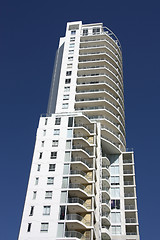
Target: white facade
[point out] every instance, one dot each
(82, 180)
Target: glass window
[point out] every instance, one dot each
(68, 144)
(46, 120)
(48, 195)
(40, 155)
(34, 194)
(115, 217)
(73, 32)
(29, 227)
(44, 132)
(56, 131)
(69, 65)
(50, 180)
(70, 58)
(65, 182)
(114, 170)
(52, 167)
(42, 144)
(116, 230)
(115, 204)
(38, 167)
(66, 169)
(46, 210)
(60, 231)
(96, 31)
(62, 213)
(68, 81)
(53, 155)
(115, 180)
(31, 211)
(66, 89)
(72, 39)
(57, 121)
(67, 157)
(65, 106)
(36, 181)
(69, 133)
(44, 227)
(63, 197)
(71, 45)
(70, 121)
(71, 52)
(55, 143)
(115, 192)
(68, 73)
(66, 97)
(85, 31)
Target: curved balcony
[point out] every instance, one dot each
(105, 181)
(84, 127)
(105, 219)
(73, 234)
(99, 69)
(105, 205)
(105, 162)
(100, 93)
(76, 204)
(105, 233)
(83, 149)
(85, 177)
(81, 190)
(79, 221)
(90, 101)
(88, 164)
(88, 140)
(99, 85)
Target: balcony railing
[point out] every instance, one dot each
(85, 126)
(73, 234)
(129, 194)
(131, 233)
(105, 189)
(129, 207)
(127, 161)
(82, 160)
(78, 218)
(128, 183)
(80, 186)
(83, 148)
(130, 220)
(77, 172)
(105, 201)
(127, 171)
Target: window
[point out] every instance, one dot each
(42, 144)
(52, 167)
(69, 65)
(48, 195)
(31, 211)
(46, 210)
(58, 121)
(55, 143)
(40, 155)
(66, 97)
(68, 73)
(66, 169)
(62, 213)
(65, 106)
(66, 89)
(56, 131)
(116, 230)
(46, 120)
(114, 170)
(115, 217)
(34, 195)
(44, 227)
(44, 132)
(38, 167)
(70, 121)
(36, 181)
(115, 204)
(115, 192)
(67, 157)
(73, 32)
(70, 58)
(71, 52)
(71, 45)
(65, 182)
(29, 227)
(50, 180)
(68, 144)
(63, 197)
(114, 180)
(53, 155)
(85, 31)
(72, 39)
(96, 31)
(68, 80)
(60, 231)
(69, 133)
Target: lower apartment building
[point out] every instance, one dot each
(82, 179)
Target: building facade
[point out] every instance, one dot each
(82, 179)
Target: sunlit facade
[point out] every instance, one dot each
(82, 180)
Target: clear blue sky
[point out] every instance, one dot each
(29, 34)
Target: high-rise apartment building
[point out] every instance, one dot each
(82, 180)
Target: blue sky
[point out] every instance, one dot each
(29, 32)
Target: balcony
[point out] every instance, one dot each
(80, 147)
(128, 183)
(88, 139)
(127, 172)
(129, 194)
(131, 220)
(85, 204)
(127, 161)
(85, 126)
(82, 221)
(80, 189)
(75, 234)
(87, 176)
(129, 207)
(82, 160)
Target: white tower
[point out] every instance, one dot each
(82, 180)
